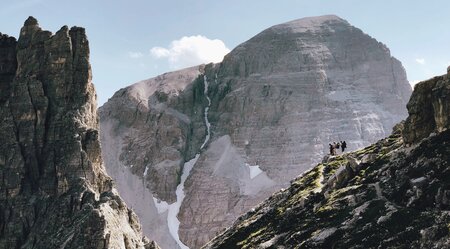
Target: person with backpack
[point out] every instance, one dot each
(343, 146)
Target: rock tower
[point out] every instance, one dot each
(54, 191)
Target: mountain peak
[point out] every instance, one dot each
(31, 21)
(309, 23)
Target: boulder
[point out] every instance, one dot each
(428, 109)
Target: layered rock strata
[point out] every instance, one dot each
(429, 109)
(277, 100)
(55, 192)
(387, 195)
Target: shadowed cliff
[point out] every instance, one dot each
(54, 189)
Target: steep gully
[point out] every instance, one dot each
(174, 208)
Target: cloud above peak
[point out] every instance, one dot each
(190, 51)
(421, 61)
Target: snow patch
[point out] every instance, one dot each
(208, 125)
(254, 170)
(161, 206)
(133, 190)
(174, 208)
(224, 160)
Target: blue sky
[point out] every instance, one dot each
(139, 39)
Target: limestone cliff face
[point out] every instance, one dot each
(54, 189)
(277, 100)
(281, 97)
(387, 195)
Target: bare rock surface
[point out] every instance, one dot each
(387, 195)
(148, 131)
(429, 109)
(55, 192)
(277, 100)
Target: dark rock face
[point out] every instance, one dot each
(54, 189)
(8, 64)
(429, 109)
(386, 195)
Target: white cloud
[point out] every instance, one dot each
(191, 50)
(421, 61)
(160, 52)
(135, 55)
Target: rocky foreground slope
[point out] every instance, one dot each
(277, 100)
(393, 194)
(54, 191)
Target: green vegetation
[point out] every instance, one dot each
(331, 167)
(246, 243)
(310, 182)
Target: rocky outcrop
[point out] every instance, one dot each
(387, 195)
(428, 108)
(55, 192)
(277, 100)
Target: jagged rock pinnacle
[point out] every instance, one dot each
(31, 21)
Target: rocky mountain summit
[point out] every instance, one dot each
(54, 191)
(392, 194)
(270, 109)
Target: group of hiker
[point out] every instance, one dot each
(335, 146)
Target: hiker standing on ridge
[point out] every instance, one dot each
(343, 146)
(335, 146)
